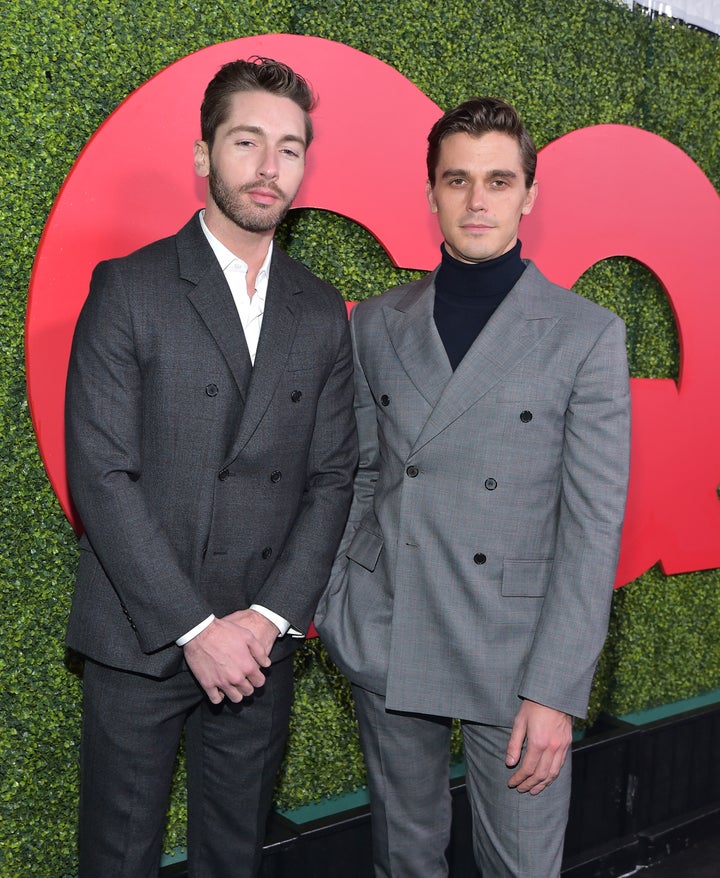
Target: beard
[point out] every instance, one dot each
(243, 212)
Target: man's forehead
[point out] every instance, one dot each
(253, 107)
(490, 145)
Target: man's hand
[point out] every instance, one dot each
(265, 632)
(226, 659)
(548, 733)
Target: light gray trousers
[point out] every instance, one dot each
(407, 757)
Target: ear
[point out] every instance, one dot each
(201, 158)
(430, 195)
(530, 198)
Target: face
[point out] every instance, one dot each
(480, 195)
(257, 161)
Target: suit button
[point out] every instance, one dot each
(266, 552)
(526, 417)
(211, 389)
(412, 471)
(223, 474)
(385, 399)
(275, 476)
(479, 558)
(296, 395)
(490, 484)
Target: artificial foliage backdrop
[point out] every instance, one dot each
(65, 66)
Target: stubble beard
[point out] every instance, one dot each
(249, 217)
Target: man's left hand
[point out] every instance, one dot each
(548, 733)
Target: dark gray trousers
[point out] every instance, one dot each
(132, 726)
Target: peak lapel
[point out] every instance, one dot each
(411, 328)
(519, 324)
(279, 325)
(212, 299)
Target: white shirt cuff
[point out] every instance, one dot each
(186, 638)
(280, 623)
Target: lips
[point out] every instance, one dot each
(263, 196)
(262, 192)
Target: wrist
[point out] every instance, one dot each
(193, 633)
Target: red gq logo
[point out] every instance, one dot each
(606, 190)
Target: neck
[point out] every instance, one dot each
(251, 247)
(494, 277)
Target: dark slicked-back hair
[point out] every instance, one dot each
(476, 117)
(255, 74)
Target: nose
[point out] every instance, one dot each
(268, 167)
(477, 200)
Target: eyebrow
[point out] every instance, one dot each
(256, 129)
(500, 172)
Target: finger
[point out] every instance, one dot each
(520, 776)
(545, 772)
(255, 678)
(214, 694)
(542, 785)
(515, 743)
(254, 647)
(247, 681)
(244, 685)
(556, 766)
(526, 769)
(235, 694)
(258, 652)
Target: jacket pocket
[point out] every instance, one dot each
(526, 579)
(365, 548)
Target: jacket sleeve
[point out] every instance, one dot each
(103, 417)
(369, 455)
(595, 467)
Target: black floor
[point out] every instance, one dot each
(700, 860)
(690, 850)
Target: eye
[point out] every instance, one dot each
(499, 183)
(291, 153)
(456, 181)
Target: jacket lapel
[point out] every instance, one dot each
(212, 299)
(522, 320)
(279, 324)
(411, 328)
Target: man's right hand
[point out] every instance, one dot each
(226, 660)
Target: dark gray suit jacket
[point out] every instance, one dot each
(480, 553)
(204, 484)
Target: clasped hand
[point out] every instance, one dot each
(227, 658)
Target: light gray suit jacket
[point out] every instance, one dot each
(204, 484)
(478, 562)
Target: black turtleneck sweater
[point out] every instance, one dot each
(467, 294)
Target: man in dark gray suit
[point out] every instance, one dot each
(475, 575)
(211, 448)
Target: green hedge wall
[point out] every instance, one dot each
(65, 66)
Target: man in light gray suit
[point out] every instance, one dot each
(211, 448)
(475, 575)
